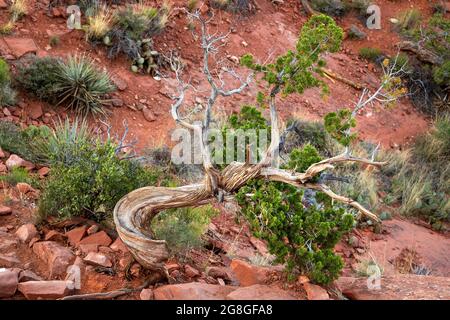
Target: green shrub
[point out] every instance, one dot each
(441, 74)
(7, 94)
(88, 177)
(337, 124)
(371, 54)
(38, 77)
(183, 228)
(140, 21)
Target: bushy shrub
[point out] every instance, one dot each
(441, 74)
(7, 94)
(371, 54)
(38, 76)
(93, 181)
(142, 21)
(299, 133)
(183, 228)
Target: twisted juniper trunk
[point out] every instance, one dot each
(134, 212)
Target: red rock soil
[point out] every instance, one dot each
(273, 29)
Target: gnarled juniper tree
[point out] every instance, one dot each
(284, 221)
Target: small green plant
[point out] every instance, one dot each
(7, 94)
(183, 228)
(371, 54)
(15, 176)
(54, 41)
(441, 74)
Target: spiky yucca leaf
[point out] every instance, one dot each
(81, 86)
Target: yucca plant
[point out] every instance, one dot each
(81, 86)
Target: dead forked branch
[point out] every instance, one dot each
(134, 212)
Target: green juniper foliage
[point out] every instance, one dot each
(295, 71)
(338, 125)
(249, 118)
(300, 235)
